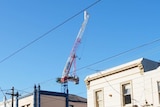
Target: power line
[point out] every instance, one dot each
(49, 31)
(119, 54)
(114, 89)
(40, 37)
(105, 59)
(5, 98)
(106, 81)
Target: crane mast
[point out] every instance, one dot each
(66, 71)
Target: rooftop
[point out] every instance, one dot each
(145, 64)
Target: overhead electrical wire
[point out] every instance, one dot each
(105, 59)
(49, 31)
(67, 20)
(117, 83)
(56, 27)
(99, 72)
(119, 54)
(3, 93)
(46, 33)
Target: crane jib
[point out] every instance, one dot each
(65, 75)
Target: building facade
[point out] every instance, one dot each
(41, 98)
(134, 84)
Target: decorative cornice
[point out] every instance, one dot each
(112, 72)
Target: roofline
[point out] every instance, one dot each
(42, 92)
(115, 70)
(111, 72)
(59, 94)
(141, 63)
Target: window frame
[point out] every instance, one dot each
(158, 87)
(123, 94)
(96, 99)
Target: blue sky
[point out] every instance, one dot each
(115, 26)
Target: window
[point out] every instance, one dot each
(158, 84)
(126, 92)
(99, 98)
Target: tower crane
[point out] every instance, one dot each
(71, 59)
